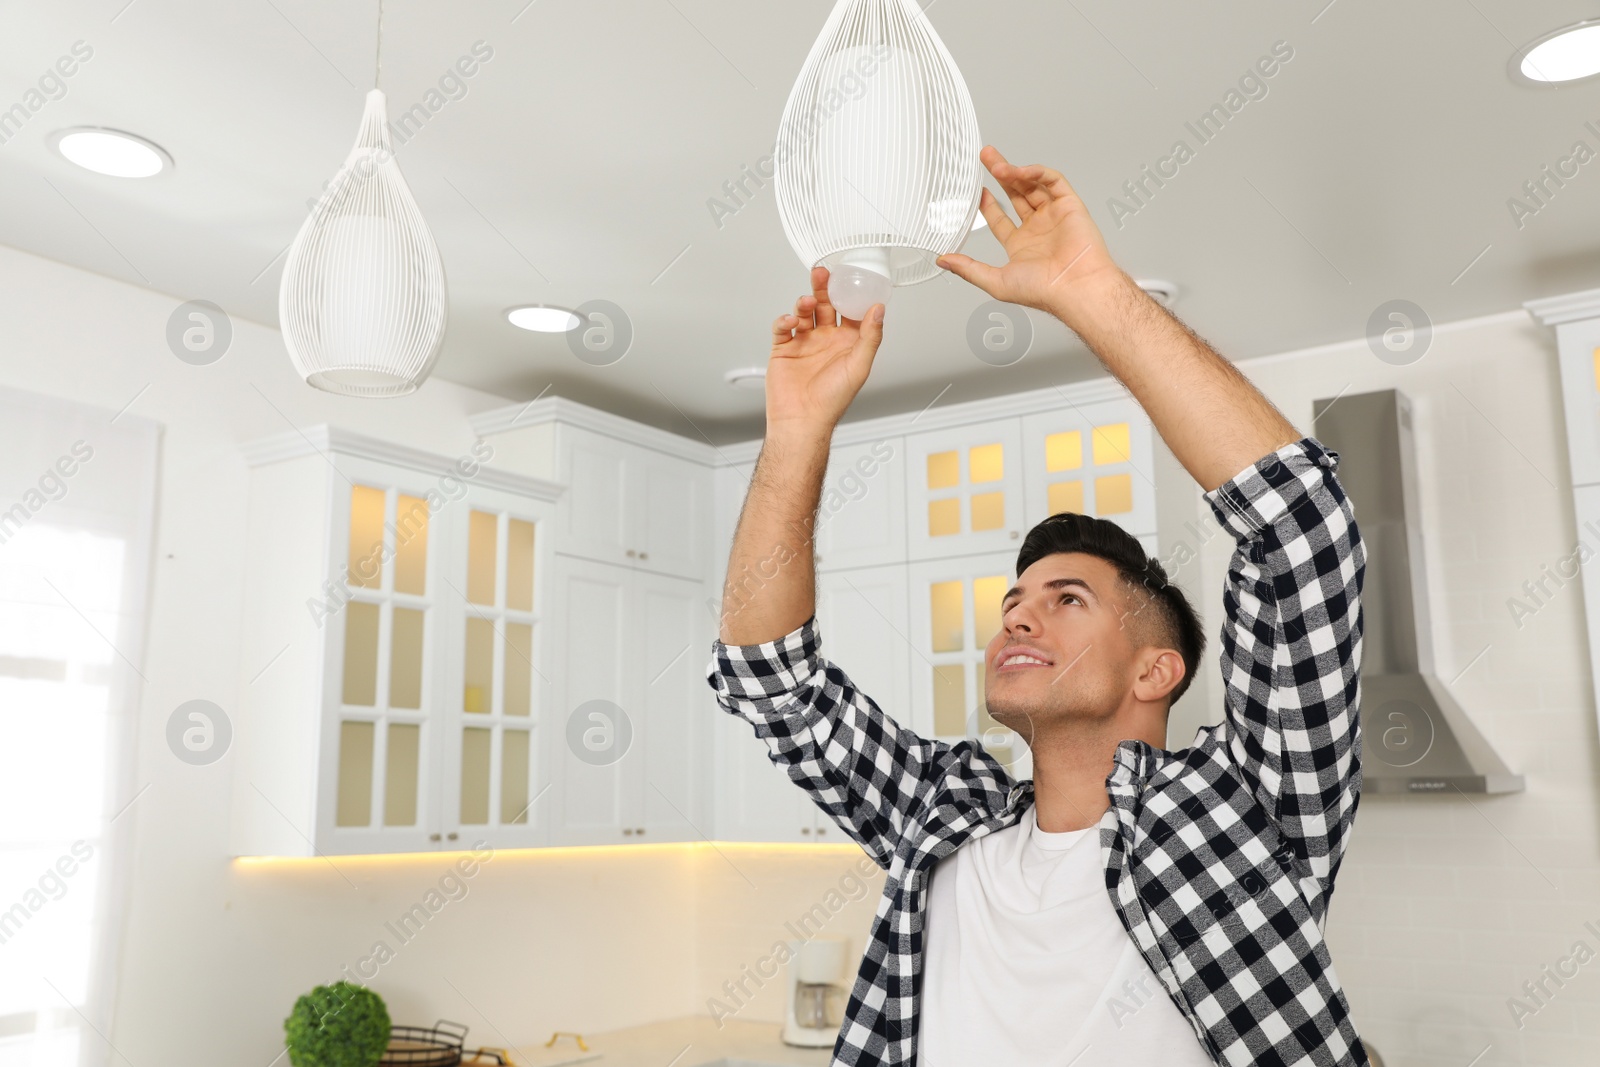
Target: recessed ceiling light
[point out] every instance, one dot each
(544, 319)
(1567, 55)
(1164, 293)
(747, 378)
(111, 152)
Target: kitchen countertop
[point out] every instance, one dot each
(693, 1041)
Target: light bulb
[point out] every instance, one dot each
(877, 156)
(860, 280)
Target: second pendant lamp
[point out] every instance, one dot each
(877, 157)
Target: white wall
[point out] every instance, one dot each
(1444, 907)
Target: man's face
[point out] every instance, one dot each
(1062, 655)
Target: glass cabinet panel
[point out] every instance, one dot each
(411, 546)
(478, 697)
(1112, 444)
(367, 507)
(514, 768)
(482, 558)
(476, 744)
(361, 654)
(400, 775)
(354, 806)
(405, 659)
(518, 660)
(519, 565)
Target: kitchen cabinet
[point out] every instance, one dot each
(394, 625)
(633, 506)
(964, 490)
(632, 744)
(1094, 459)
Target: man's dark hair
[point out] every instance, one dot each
(1163, 615)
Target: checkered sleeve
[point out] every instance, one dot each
(868, 772)
(1291, 647)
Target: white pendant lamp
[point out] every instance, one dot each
(363, 303)
(877, 158)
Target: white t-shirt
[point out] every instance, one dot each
(1027, 964)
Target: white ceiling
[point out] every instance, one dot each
(580, 163)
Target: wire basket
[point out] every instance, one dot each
(441, 1045)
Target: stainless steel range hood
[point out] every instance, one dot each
(1416, 737)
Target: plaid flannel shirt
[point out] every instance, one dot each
(1219, 859)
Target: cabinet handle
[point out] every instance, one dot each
(805, 829)
(821, 830)
(632, 554)
(627, 832)
(640, 831)
(451, 836)
(644, 555)
(1015, 535)
(433, 837)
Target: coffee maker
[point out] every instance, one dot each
(816, 995)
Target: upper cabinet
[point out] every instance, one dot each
(964, 489)
(394, 623)
(1094, 459)
(634, 506)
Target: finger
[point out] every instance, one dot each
(1000, 223)
(826, 315)
(968, 269)
(805, 310)
(1006, 175)
(1041, 185)
(783, 329)
(867, 343)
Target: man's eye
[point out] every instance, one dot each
(1065, 597)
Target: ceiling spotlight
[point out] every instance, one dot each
(542, 318)
(111, 152)
(1164, 293)
(1567, 55)
(751, 378)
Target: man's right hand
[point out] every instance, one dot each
(819, 362)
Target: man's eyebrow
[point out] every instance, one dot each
(1054, 583)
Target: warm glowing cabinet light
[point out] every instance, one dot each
(877, 156)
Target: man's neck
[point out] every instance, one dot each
(1069, 779)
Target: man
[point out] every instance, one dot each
(1129, 906)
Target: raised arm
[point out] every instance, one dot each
(1212, 418)
(1292, 634)
(869, 773)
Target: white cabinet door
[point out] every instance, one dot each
(591, 730)
(862, 518)
(955, 611)
(385, 690)
(1094, 459)
(495, 781)
(964, 490)
(600, 504)
(634, 506)
(673, 524)
(672, 635)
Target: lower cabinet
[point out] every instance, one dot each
(629, 738)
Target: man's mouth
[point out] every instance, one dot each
(1016, 659)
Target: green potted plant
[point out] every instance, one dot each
(341, 1025)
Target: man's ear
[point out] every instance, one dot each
(1160, 671)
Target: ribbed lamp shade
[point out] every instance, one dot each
(363, 303)
(877, 156)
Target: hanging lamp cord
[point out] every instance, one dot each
(377, 77)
